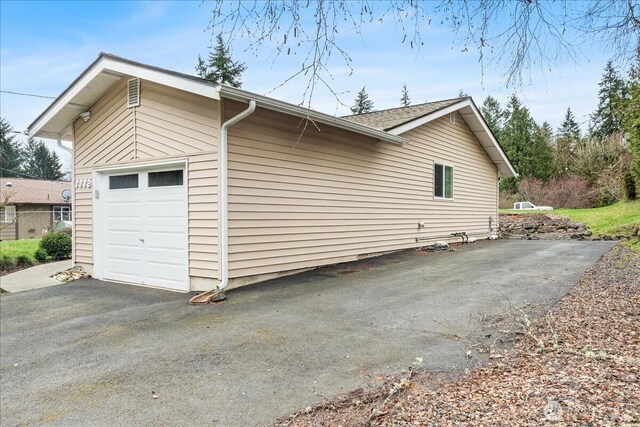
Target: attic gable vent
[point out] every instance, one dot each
(452, 118)
(133, 93)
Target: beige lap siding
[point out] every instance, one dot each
(331, 196)
(203, 216)
(168, 124)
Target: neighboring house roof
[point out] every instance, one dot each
(387, 119)
(34, 191)
(387, 125)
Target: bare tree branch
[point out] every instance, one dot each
(516, 36)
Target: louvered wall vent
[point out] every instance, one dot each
(452, 118)
(133, 93)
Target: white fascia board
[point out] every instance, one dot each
(428, 118)
(156, 76)
(66, 99)
(108, 66)
(450, 109)
(294, 110)
(493, 139)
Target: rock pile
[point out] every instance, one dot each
(538, 226)
(71, 274)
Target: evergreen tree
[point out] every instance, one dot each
(524, 143)
(629, 110)
(493, 114)
(40, 162)
(219, 66)
(10, 155)
(547, 133)
(566, 141)
(570, 129)
(362, 103)
(542, 151)
(606, 121)
(405, 101)
(54, 167)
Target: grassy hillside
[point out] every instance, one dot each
(615, 220)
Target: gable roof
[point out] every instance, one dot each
(397, 121)
(388, 119)
(55, 122)
(103, 73)
(34, 191)
(386, 125)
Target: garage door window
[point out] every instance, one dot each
(166, 178)
(121, 182)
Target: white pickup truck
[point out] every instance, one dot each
(528, 206)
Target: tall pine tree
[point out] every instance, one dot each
(362, 103)
(525, 145)
(494, 115)
(40, 162)
(566, 141)
(630, 113)
(405, 101)
(10, 155)
(606, 121)
(219, 66)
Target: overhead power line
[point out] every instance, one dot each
(22, 175)
(27, 94)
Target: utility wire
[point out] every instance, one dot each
(27, 94)
(22, 174)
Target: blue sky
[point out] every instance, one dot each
(45, 45)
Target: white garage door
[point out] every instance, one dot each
(144, 233)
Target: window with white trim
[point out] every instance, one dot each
(61, 213)
(443, 181)
(8, 214)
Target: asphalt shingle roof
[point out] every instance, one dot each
(393, 117)
(22, 191)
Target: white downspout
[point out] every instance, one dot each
(224, 194)
(73, 201)
(67, 149)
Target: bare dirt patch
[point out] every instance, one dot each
(579, 364)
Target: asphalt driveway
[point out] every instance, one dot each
(94, 353)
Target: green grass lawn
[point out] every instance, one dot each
(14, 248)
(615, 220)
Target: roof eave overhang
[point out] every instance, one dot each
(315, 116)
(476, 124)
(56, 121)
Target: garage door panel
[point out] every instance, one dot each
(166, 240)
(163, 272)
(124, 269)
(145, 235)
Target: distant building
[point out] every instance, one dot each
(34, 206)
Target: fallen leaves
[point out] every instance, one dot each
(578, 365)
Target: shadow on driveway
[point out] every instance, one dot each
(92, 353)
